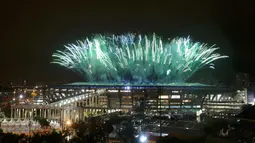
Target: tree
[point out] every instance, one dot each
(53, 137)
(115, 119)
(42, 121)
(246, 107)
(214, 126)
(80, 128)
(128, 132)
(247, 112)
(107, 126)
(94, 130)
(7, 111)
(139, 109)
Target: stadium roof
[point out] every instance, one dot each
(191, 86)
(174, 86)
(128, 84)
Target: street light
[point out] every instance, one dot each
(20, 96)
(68, 123)
(143, 138)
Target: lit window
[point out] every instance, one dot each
(163, 97)
(175, 96)
(175, 91)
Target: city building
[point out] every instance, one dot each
(28, 94)
(6, 95)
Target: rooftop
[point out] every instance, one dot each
(171, 86)
(130, 84)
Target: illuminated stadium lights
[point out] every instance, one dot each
(136, 59)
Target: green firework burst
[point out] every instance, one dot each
(136, 58)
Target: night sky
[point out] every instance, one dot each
(31, 31)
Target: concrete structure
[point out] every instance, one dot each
(215, 101)
(76, 101)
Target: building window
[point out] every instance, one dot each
(175, 97)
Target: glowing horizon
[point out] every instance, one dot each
(136, 58)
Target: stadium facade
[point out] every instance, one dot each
(72, 102)
(215, 101)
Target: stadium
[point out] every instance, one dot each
(134, 73)
(218, 102)
(130, 71)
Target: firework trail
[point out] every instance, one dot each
(136, 58)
